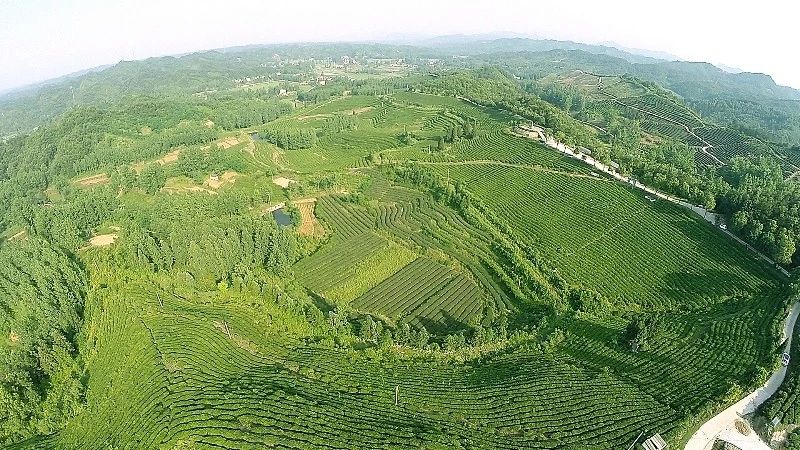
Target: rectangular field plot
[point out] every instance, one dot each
(343, 270)
(426, 293)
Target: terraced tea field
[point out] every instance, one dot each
(565, 270)
(676, 261)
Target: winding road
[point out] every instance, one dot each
(705, 214)
(722, 425)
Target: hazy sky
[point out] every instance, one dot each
(42, 39)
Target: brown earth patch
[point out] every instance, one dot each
(13, 337)
(312, 116)
(309, 225)
(266, 209)
(358, 111)
(209, 124)
(178, 189)
(19, 235)
(221, 180)
(228, 142)
(100, 178)
(103, 240)
(170, 157)
(283, 181)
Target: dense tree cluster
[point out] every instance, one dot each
(763, 206)
(221, 246)
(42, 292)
(232, 113)
(290, 138)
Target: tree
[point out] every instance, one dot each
(785, 247)
(440, 144)
(152, 178)
(368, 330)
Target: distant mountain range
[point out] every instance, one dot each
(709, 87)
(638, 51)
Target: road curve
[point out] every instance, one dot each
(723, 423)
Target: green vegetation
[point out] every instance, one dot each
(465, 287)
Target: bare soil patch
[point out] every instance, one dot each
(309, 225)
(13, 337)
(266, 209)
(100, 178)
(228, 142)
(283, 181)
(176, 185)
(358, 111)
(103, 240)
(221, 180)
(170, 157)
(209, 124)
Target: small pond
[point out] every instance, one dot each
(281, 217)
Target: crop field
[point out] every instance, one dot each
(663, 108)
(519, 272)
(667, 267)
(343, 271)
(424, 225)
(433, 295)
(207, 361)
(240, 383)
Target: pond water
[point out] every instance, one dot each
(281, 217)
(254, 136)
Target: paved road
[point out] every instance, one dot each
(723, 423)
(707, 215)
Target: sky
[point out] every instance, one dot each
(43, 39)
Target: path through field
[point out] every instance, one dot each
(723, 423)
(489, 162)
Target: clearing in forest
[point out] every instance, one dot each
(93, 180)
(168, 158)
(103, 240)
(283, 181)
(228, 142)
(184, 184)
(217, 181)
